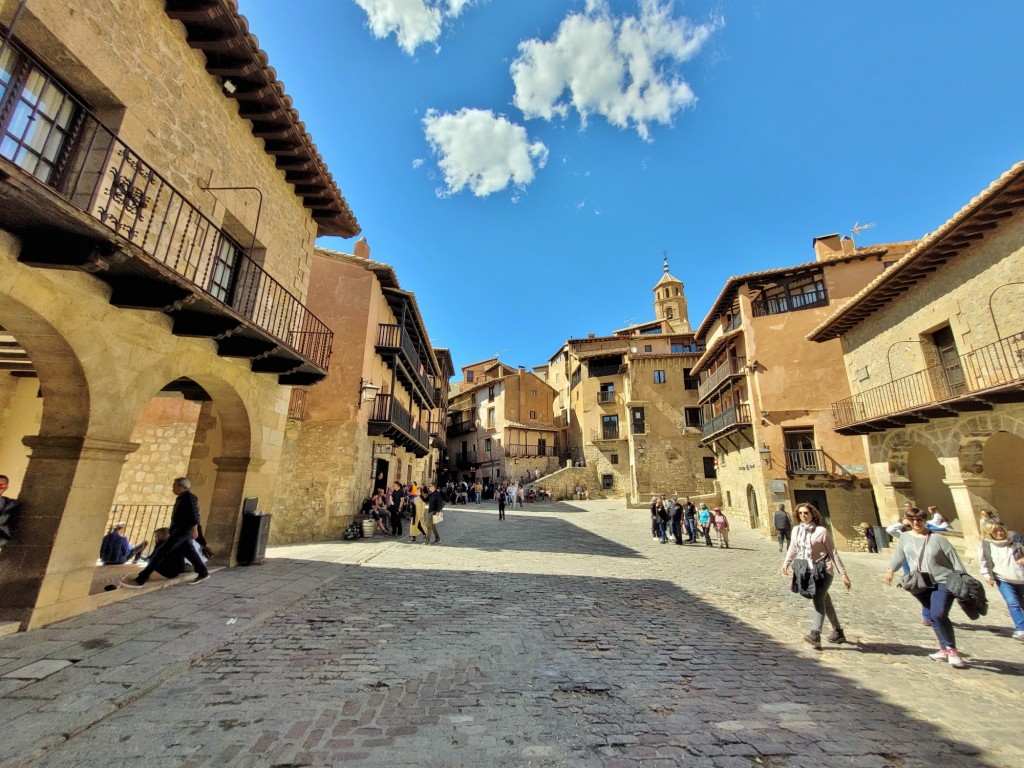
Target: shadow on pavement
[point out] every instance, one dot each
(547, 534)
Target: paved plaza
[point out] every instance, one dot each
(564, 636)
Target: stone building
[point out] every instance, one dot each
(766, 392)
(934, 354)
(631, 404)
(159, 203)
(501, 425)
(377, 417)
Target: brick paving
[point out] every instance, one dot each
(562, 637)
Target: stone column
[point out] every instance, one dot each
(48, 567)
(971, 492)
(223, 518)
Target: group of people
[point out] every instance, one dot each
(390, 508)
(932, 572)
(674, 516)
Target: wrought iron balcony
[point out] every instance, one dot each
(988, 375)
(464, 427)
(393, 341)
(729, 420)
(806, 461)
(730, 368)
(392, 420)
(777, 305)
(79, 197)
(605, 433)
(606, 397)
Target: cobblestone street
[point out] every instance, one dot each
(564, 636)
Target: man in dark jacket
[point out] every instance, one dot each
(8, 511)
(184, 527)
(435, 503)
(690, 517)
(783, 526)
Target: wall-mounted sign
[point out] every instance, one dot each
(851, 468)
(382, 449)
(777, 486)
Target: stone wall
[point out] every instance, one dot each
(165, 432)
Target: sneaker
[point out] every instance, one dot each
(1019, 635)
(130, 584)
(200, 578)
(940, 655)
(813, 639)
(953, 657)
(837, 637)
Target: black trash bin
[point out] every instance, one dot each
(881, 537)
(252, 543)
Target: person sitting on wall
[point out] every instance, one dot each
(937, 522)
(115, 549)
(173, 567)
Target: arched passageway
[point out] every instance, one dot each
(1003, 461)
(927, 476)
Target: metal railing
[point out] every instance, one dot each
(96, 172)
(394, 336)
(520, 450)
(606, 397)
(805, 461)
(297, 404)
(733, 366)
(605, 433)
(387, 409)
(737, 414)
(461, 428)
(994, 365)
(734, 322)
(776, 305)
(140, 521)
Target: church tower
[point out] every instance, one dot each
(670, 304)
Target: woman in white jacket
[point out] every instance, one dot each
(1002, 563)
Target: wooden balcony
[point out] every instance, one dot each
(90, 202)
(729, 420)
(732, 367)
(391, 419)
(989, 375)
(394, 344)
(606, 398)
(518, 450)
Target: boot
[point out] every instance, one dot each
(813, 639)
(837, 636)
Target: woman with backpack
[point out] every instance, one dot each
(1001, 558)
(816, 560)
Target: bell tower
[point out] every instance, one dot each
(670, 303)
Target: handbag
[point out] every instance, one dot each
(915, 582)
(438, 517)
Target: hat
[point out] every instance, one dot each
(718, 509)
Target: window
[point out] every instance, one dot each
(575, 378)
(606, 393)
(610, 427)
(490, 393)
(490, 417)
(677, 349)
(647, 347)
(709, 468)
(637, 423)
(533, 392)
(222, 272)
(689, 382)
(607, 482)
(668, 313)
(533, 414)
(469, 375)
(693, 417)
(614, 458)
(659, 377)
(487, 444)
(36, 117)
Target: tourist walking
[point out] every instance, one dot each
(721, 524)
(1001, 558)
(676, 516)
(690, 520)
(421, 523)
(931, 560)
(184, 528)
(397, 502)
(783, 526)
(704, 518)
(501, 506)
(435, 506)
(815, 560)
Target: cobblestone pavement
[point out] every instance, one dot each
(564, 636)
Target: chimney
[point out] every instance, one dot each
(362, 249)
(829, 246)
(591, 335)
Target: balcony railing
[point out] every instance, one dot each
(519, 450)
(776, 305)
(394, 337)
(100, 175)
(733, 366)
(297, 404)
(805, 461)
(737, 415)
(605, 433)
(461, 428)
(734, 322)
(606, 397)
(935, 391)
(391, 419)
(140, 520)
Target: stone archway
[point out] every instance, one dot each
(1003, 458)
(928, 483)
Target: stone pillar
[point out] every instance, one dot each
(223, 517)
(47, 568)
(971, 493)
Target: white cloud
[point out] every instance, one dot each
(413, 22)
(482, 151)
(417, 162)
(625, 69)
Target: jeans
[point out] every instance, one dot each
(691, 529)
(478, 494)
(1013, 594)
(677, 531)
(661, 532)
(784, 536)
(938, 601)
(822, 603)
(177, 546)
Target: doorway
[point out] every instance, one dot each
(380, 476)
(818, 499)
(755, 520)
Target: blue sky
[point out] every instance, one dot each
(523, 164)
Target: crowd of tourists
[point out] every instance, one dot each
(677, 517)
